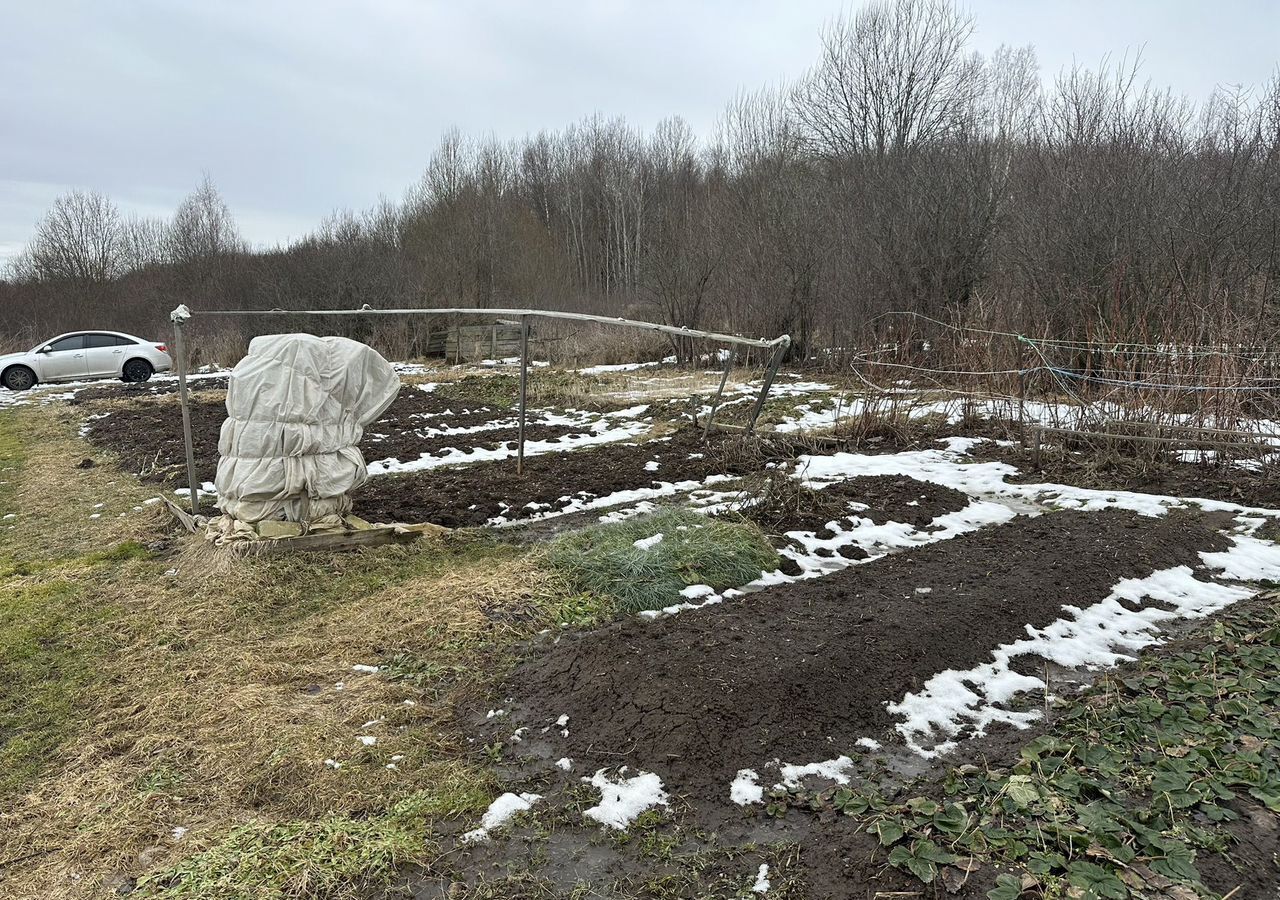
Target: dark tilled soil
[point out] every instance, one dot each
(838, 859)
(148, 436)
(145, 389)
(800, 672)
(472, 495)
(833, 858)
(889, 498)
(409, 445)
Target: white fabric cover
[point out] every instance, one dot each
(297, 407)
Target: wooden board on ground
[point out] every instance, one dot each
(373, 536)
(283, 536)
(184, 518)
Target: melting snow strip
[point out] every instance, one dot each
(817, 557)
(617, 498)
(833, 769)
(956, 410)
(453, 457)
(624, 367)
(950, 467)
(570, 418)
(1104, 634)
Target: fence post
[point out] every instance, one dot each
(715, 401)
(179, 348)
(774, 362)
(524, 389)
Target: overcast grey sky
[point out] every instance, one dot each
(299, 107)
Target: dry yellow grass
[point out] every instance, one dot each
(53, 499)
(221, 686)
(641, 384)
(207, 689)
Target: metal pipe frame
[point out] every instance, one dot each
(778, 345)
(783, 341)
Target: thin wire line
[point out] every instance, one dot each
(949, 371)
(1097, 346)
(1263, 382)
(1151, 384)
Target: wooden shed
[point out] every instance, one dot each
(471, 343)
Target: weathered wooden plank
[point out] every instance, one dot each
(374, 536)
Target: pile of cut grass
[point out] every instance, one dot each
(606, 560)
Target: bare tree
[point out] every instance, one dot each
(203, 228)
(895, 77)
(903, 172)
(80, 239)
(143, 242)
(682, 253)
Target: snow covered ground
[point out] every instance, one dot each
(67, 390)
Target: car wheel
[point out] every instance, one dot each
(137, 370)
(19, 378)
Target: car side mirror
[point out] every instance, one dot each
(46, 349)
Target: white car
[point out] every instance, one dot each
(85, 354)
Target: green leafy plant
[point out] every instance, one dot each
(1133, 782)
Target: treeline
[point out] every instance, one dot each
(904, 171)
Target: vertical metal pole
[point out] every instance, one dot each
(179, 347)
(1022, 404)
(524, 389)
(715, 401)
(770, 373)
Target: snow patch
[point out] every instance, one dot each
(746, 788)
(650, 542)
(833, 769)
(1104, 634)
(623, 799)
(617, 498)
(499, 813)
(453, 456)
(762, 880)
(950, 467)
